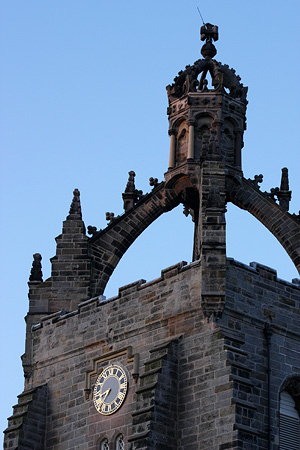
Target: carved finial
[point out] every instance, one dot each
(36, 270)
(284, 194)
(75, 208)
(209, 33)
(130, 187)
(131, 194)
(153, 182)
(284, 185)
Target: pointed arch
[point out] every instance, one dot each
(280, 223)
(109, 245)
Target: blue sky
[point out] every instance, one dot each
(83, 102)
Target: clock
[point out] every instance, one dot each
(110, 389)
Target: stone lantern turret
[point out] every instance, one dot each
(206, 126)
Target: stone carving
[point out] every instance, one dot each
(188, 211)
(110, 217)
(92, 230)
(209, 33)
(130, 187)
(153, 182)
(213, 144)
(222, 78)
(273, 193)
(36, 270)
(75, 208)
(212, 307)
(257, 179)
(205, 88)
(283, 193)
(131, 194)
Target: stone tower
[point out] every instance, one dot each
(204, 357)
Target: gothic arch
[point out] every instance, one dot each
(109, 245)
(180, 121)
(244, 194)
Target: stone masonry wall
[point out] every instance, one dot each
(255, 297)
(221, 377)
(67, 348)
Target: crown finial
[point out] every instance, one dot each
(209, 33)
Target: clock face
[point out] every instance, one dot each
(110, 389)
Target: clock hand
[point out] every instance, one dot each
(104, 395)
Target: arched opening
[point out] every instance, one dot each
(202, 142)
(182, 144)
(249, 240)
(208, 84)
(167, 241)
(202, 135)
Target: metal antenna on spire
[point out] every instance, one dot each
(200, 15)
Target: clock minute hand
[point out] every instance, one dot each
(104, 395)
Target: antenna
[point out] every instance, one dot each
(201, 16)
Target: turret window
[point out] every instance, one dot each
(289, 433)
(182, 145)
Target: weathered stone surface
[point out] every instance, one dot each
(195, 376)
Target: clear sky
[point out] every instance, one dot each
(83, 102)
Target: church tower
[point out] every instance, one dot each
(204, 357)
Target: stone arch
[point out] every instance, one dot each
(179, 121)
(203, 115)
(107, 247)
(244, 194)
